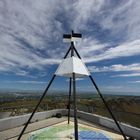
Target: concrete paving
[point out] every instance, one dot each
(12, 134)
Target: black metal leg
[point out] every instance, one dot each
(69, 102)
(75, 108)
(67, 52)
(106, 105)
(77, 52)
(36, 108)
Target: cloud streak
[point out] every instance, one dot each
(133, 69)
(125, 50)
(127, 75)
(26, 82)
(116, 68)
(135, 82)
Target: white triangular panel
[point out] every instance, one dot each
(72, 65)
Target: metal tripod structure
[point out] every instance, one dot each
(72, 84)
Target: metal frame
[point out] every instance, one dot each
(69, 101)
(73, 82)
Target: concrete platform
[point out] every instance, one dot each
(12, 134)
(11, 127)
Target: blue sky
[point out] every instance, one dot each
(31, 45)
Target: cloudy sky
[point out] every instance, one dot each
(31, 45)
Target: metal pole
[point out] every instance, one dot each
(74, 96)
(43, 95)
(69, 103)
(75, 108)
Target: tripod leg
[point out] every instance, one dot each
(40, 100)
(106, 105)
(43, 95)
(77, 52)
(67, 52)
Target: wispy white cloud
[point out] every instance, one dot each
(22, 73)
(127, 75)
(85, 12)
(27, 28)
(123, 17)
(135, 82)
(133, 69)
(115, 16)
(124, 50)
(77, 79)
(118, 67)
(89, 47)
(120, 19)
(26, 82)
